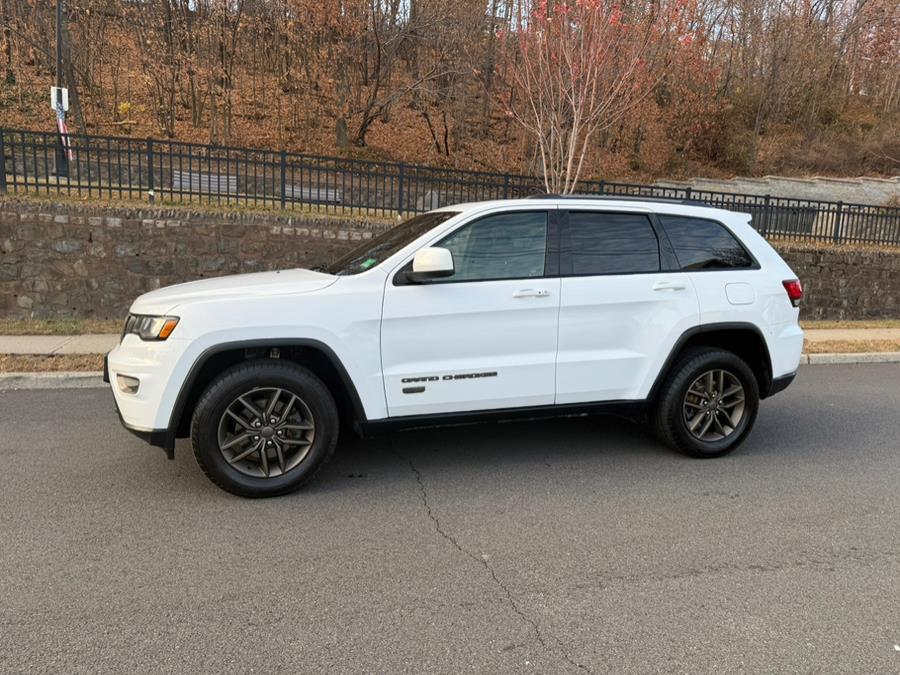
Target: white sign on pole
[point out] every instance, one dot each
(65, 97)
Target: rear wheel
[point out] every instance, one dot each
(264, 428)
(707, 404)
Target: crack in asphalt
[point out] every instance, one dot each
(542, 639)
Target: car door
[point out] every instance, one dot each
(485, 337)
(728, 280)
(620, 313)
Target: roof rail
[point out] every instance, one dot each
(628, 198)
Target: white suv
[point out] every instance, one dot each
(544, 306)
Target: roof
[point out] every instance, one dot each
(683, 206)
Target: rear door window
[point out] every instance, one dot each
(596, 243)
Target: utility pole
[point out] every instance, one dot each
(62, 156)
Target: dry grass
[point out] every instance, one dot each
(17, 363)
(876, 323)
(229, 204)
(60, 326)
(850, 346)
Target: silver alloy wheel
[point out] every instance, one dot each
(714, 405)
(266, 432)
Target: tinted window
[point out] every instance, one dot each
(505, 246)
(386, 244)
(611, 243)
(704, 244)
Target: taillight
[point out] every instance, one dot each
(794, 290)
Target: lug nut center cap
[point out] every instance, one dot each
(267, 432)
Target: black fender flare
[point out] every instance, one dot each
(187, 385)
(710, 328)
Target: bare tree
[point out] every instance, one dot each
(579, 67)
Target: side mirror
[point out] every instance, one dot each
(430, 263)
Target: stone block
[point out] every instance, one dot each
(67, 246)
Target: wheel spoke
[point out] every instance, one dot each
(264, 459)
(707, 425)
(303, 426)
(718, 424)
(273, 403)
(695, 421)
(280, 454)
(237, 439)
(710, 382)
(733, 402)
(287, 409)
(731, 391)
(237, 418)
(695, 406)
(721, 381)
(299, 441)
(245, 453)
(249, 406)
(729, 419)
(697, 392)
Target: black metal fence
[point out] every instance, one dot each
(173, 172)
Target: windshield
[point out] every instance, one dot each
(386, 244)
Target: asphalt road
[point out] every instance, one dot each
(547, 547)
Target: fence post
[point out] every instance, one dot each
(151, 195)
(283, 188)
(602, 187)
(506, 186)
(400, 172)
(2, 164)
(687, 193)
(838, 216)
(764, 227)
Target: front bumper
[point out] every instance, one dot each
(159, 438)
(161, 367)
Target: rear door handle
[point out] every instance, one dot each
(531, 293)
(669, 286)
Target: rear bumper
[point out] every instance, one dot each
(779, 384)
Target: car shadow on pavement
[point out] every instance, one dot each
(517, 449)
(523, 449)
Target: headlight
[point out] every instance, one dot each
(150, 327)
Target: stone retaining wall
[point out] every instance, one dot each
(64, 260)
(69, 260)
(846, 282)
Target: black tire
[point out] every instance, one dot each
(668, 415)
(245, 378)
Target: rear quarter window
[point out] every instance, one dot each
(702, 244)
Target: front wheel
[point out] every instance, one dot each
(708, 403)
(264, 428)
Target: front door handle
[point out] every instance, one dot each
(669, 286)
(531, 293)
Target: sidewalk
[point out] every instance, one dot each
(851, 334)
(54, 345)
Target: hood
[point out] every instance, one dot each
(281, 282)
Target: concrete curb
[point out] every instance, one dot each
(61, 380)
(89, 380)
